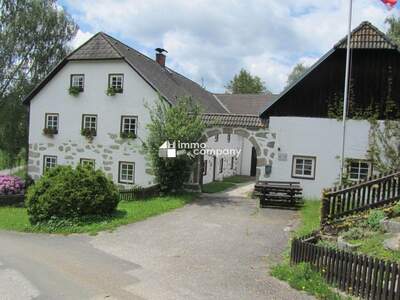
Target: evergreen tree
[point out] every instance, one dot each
(245, 83)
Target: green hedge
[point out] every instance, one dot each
(64, 192)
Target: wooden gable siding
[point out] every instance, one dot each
(370, 75)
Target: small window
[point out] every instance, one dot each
(49, 162)
(216, 138)
(228, 138)
(126, 172)
(90, 122)
(221, 165)
(116, 81)
(78, 80)
(205, 168)
(303, 167)
(88, 162)
(359, 169)
(232, 162)
(51, 122)
(129, 124)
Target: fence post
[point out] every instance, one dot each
(324, 208)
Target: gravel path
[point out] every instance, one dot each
(217, 247)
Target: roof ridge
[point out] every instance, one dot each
(231, 114)
(361, 26)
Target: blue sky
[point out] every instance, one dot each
(209, 41)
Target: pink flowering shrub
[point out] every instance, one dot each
(11, 185)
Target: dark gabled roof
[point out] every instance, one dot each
(367, 36)
(233, 120)
(245, 104)
(168, 83)
(364, 36)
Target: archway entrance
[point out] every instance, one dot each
(249, 127)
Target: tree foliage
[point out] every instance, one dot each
(181, 122)
(33, 37)
(296, 73)
(394, 29)
(245, 83)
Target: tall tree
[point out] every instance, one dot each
(181, 122)
(394, 29)
(245, 83)
(296, 73)
(34, 35)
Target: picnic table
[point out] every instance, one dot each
(279, 193)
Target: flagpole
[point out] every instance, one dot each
(346, 92)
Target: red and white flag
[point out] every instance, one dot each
(390, 3)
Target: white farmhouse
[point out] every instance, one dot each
(92, 109)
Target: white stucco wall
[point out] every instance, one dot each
(245, 159)
(107, 148)
(241, 164)
(317, 137)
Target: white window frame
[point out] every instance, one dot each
(49, 161)
(116, 81)
(129, 124)
(123, 177)
(88, 161)
(52, 121)
(78, 80)
(87, 122)
(358, 162)
(303, 162)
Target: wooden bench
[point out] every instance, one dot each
(279, 193)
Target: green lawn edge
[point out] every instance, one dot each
(301, 277)
(16, 218)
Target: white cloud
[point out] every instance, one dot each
(80, 38)
(212, 40)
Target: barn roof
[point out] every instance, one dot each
(365, 36)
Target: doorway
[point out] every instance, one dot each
(253, 168)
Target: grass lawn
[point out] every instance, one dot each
(229, 182)
(373, 246)
(16, 218)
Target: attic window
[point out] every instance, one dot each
(116, 82)
(78, 81)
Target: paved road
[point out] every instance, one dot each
(214, 248)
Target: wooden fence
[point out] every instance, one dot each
(139, 193)
(372, 193)
(358, 275)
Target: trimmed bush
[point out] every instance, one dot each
(11, 185)
(65, 193)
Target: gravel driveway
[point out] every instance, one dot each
(217, 247)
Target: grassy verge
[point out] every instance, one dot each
(309, 217)
(227, 183)
(16, 218)
(301, 276)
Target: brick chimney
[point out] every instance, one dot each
(160, 56)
